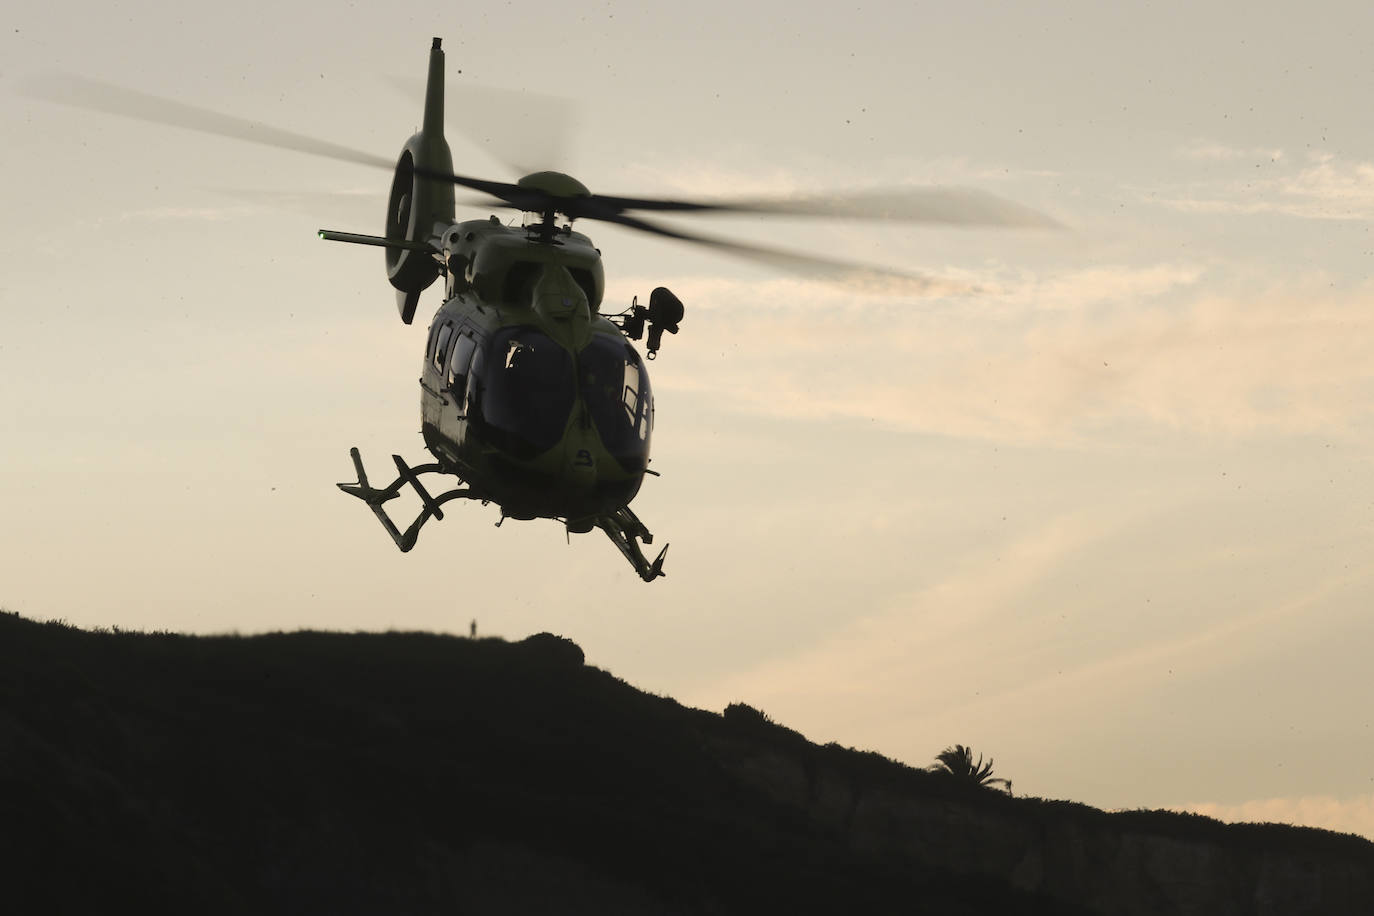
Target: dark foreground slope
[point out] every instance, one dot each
(412, 773)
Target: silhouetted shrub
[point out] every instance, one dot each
(555, 651)
(746, 721)
(745, 715)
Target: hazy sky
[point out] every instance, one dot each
(1111, 521)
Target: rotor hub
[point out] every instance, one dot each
(554, 184)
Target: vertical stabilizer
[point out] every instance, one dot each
(434, 93)
(420, 208)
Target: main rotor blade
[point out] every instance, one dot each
(878, 279)
(944, 205)
(93, 95)
(957, 206)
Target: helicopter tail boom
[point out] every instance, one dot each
(357, 238)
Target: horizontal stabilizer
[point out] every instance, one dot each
(334, 235)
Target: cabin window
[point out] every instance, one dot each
(476, 374)
(584, 278)
(616, 388)
(518, 288)
(522, 391)
(633, 415)
(459, 363)
(433, 336)
(441, 345)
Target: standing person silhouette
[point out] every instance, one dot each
(472, 629)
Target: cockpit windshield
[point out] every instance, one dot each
(521, 391)
(616, 389)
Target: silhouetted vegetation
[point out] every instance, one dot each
(413, 773)
(958, 762)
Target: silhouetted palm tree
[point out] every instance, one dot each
(958, 762)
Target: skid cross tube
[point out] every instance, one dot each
(408, 475)
(622, 526)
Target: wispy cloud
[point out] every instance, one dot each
(164, 215)
(1334, 189)
(1344, 815)
(184, 214)
(980, 615)
(1053, 357)
(949, 624)
(1210, 151)
(348, 208)
(1324, 187)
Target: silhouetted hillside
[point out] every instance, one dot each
(414, 773)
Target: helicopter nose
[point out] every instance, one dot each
(557, 295)
(579, 462)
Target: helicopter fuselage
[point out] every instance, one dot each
(528, 393)
(532, 396)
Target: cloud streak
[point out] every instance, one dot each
(952, 625)
(1209, 151)
(1058, 357)
(1326, 187)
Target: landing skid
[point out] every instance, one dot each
(625, 530)
(408, 475)
(622, 526)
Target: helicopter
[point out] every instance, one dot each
(532, 397)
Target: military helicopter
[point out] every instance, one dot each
(531, 396)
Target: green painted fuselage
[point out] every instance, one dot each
(528, 393)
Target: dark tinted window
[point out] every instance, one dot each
(441, 345)
(519, 282)
(616, 388)
(433, 336)
(522, 391)
(459, 362)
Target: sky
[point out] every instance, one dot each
(1109, 520)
